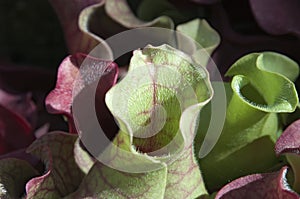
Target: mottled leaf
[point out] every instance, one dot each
(82, 158)
(14, 174)
(105, 182)
(160, 115)
(62, 175)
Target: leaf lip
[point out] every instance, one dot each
(240, 80)
(83, 21)
(132, 21)
(205, 24)
(259, 63)
(287, 142)
(149, 58)
(60, 99)
(242, 182)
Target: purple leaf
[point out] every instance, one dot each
(259, 186)
(277, 17)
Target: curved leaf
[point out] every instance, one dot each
(248, 38)
(63, 175)
(14, 174)
(260, 71)
(149, 9)
(105, 182)
(59, 100)
(15, 132)
(289, 141)
(157, 105)
(288, 144)
(285, 13)
(121, 13)
(267, 186)
(252, 125)
(116, 15)
(207, 38)
(68, 13)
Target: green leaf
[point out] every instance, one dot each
(162, 93)
(91, 36)
(14, 174)
(63, 173)
(119, 11)
(279, 93)
(105, 182)
(294, 161)
(246, 144)
(116, 15)
(82, 158)
(206, 37)
(150, 9)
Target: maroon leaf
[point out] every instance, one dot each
(15, 132)
(59, 101)
(289, 141)
(259, 186)
(288, 144)
(20, 104)
(68, 13)
(23, 90)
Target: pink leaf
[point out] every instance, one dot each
(59, 101)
